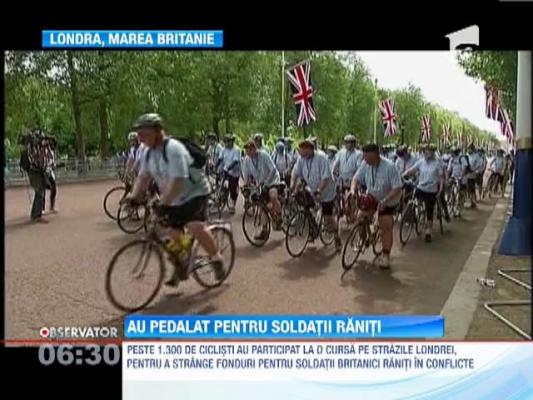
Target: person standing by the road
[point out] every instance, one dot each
(49, 148)
(430, 183)
(497, 167)
(230, 162)
(33, 161)
(383, 183)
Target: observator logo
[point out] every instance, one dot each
(78, 332)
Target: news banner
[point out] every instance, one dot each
(316, 357)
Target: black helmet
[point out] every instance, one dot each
(211, 135)
(151, 120)
(401, 150)
(230, 137)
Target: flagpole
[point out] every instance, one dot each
(282, 94)
(375, 108)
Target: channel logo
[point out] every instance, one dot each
(78, 332)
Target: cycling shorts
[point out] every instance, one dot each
(195, 210)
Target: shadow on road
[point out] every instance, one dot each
(201, 303)
(310, 265)
(373, 284)
(249, 251)
(16, 224)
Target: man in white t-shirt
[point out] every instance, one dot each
(184, 188)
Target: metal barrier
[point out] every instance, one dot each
(68, 169)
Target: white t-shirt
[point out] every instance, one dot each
(430, 173)
(380, 180)
(177, 166)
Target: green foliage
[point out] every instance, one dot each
(197, 92)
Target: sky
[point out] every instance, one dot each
(438, 75)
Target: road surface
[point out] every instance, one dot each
(54, 273)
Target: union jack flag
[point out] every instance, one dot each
(426, 128)
(506, 125)
(446, 133)
(492, 105)
(389, 117)
(302, 92)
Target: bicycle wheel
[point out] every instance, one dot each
(440, 216)
(202, 270)
(131, 219)
(130, 274)
(421, 218)
(408, 222)
(111, 201)
(354, 246)
(298, 234)
(256, 225)
(377, 244)
(326, 235)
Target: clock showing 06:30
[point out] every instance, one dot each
(90, 354)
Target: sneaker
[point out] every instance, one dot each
(218, 267)
(54, 211)
(384, 262)
(174, 279)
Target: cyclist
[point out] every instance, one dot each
(348, 161)
(313, 169)
(430, 183)
(282, 161)
(129, 170)
(383, 183)
(184, 188)
(213, 152)
(457, 170)
(230, 163)
(332, 153)
(497, 167)
(473, 170)
(314, 139)
(444, 161)
(405, 159)
(258, 140)
(482, 169)
(259, 166)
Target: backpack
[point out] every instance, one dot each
(198, 154)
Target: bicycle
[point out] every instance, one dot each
(413, 216)
(491, 189)
(121, 191)
(364, 234)
(457, 197)
(308, 223)
(256, 209)
(155, 242)
(221, 197)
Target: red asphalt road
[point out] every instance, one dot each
(54, 273)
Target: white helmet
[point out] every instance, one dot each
(132, 135)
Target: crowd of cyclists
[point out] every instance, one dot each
(337, 183)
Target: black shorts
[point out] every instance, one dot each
(387, 210)
(195, 210)
(327, 207)
(471, 184)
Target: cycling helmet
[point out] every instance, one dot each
(258, 136)
(401, 150)
(350, 138)
(332, 149)
(229, 137)
(367, 202)
(446, 157)
(132, 136)
(280, 146)
(151, 120)
(211, 135)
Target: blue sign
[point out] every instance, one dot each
(283, 327)
(132, 39)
